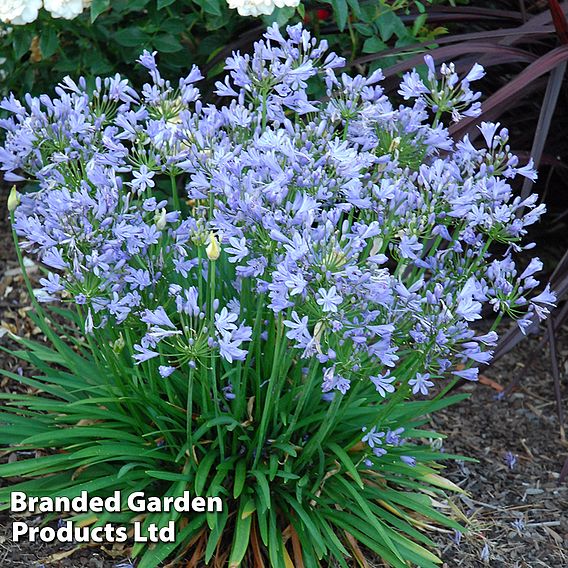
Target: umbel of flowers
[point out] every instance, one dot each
(267, 289)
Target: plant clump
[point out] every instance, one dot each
(263, 298)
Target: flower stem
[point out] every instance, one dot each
(175, 195)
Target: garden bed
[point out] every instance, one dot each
(483, 428)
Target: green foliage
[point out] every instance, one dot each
(105, 430)
(106, 39)
(109, 37)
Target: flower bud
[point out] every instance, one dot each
(160, 219)
(89, 325)
(213, 249)
(395, 143)
(118, 344)
(13, 199)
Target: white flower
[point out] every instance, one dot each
(67, 9)
(260, 7)
(19, 12)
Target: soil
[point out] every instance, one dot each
(514, 508)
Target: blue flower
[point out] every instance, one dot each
(165, 370)
(421, 383)
(238, 249)
(225, 321)
(143, 354)
(409, 460)
(383, 383)
(334, 381)
(373, 438)
(329, 300)
(142, 179)
(467, 374)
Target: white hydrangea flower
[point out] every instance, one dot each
(19, 12)
(67, 9)
(260, 7)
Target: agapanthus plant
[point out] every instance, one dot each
(262, 299)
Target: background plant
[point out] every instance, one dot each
(257, 291)
(109, 36)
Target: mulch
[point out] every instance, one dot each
(514, 508)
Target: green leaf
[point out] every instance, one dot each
(418, 24)
(354, 5)
(263, 528)
(273, 467)
(98, 7)
(374, 45)
(210, 6)
(390, 24)
(227, 421)
(263, 491)
(164, 3)
(203, 472)
(21, 42)
(220, 521)
(29, 466)
(274, 541)
(333, 541)
(166, 43)
(365, 30)
(134, 5)
(131, 37)
(347, 462)
(152, 558)
(240, 478)
(280, 16)
(305, 516)
(288, 448)
(48, 42)
(341, 12)
(357, 528)
(167, 476)
(373, 521)
(242, 536)
(129, 467)
(66, 436)
(175, 27)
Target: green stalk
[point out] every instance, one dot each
(306, 391)
(326, 426)
(200, 272)
(216, 405)
(264, 111)
(25, 276)
(189, 415)
(130, 345)
(175, 195)
(270, 390)
(241, 388)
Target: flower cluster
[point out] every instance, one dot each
(353, 233)
(21, 12)
(447, 93)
